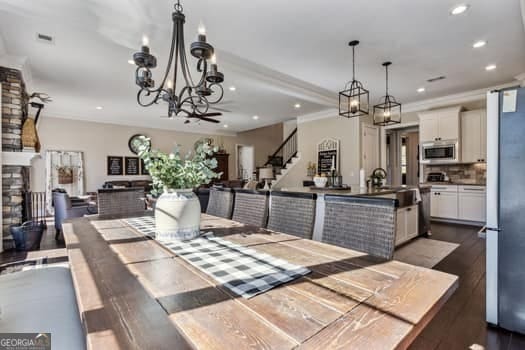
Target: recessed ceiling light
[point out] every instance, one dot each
(490, 67)
(99, 107)
(255, 117)
(421, 89)
(225, 125)
(297, 106)
(131, 62)
(479, 43)
(233, 88)
(459, 9)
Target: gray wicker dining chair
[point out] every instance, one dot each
(367, 225)
(292, 213)
(117, 201)
(251, 207)
(221, 202)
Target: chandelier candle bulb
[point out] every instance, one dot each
(201, 29)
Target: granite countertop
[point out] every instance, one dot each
(458, 183)
(355, 190)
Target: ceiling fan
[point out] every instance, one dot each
(219, 107)
(203, 117)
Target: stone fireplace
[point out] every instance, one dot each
(15, 165)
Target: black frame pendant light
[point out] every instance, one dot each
(354, 99)
(389, 110)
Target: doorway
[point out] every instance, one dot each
(370, 148)
(245, 161)
(402, 147)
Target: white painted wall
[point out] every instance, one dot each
(97, 141)
(309, 133)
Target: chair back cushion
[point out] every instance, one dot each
(364, 224)
(61, 205)
(121, 201)
(221, 202)
(251, 207)
(292, 213)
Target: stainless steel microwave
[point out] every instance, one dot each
(440, 152)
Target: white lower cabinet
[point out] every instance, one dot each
(472, 203)
(444, 202)
(465, 203)
(448, 205)
(407, 224)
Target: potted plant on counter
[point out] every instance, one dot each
(178, 210)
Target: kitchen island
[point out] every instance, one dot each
(409, 205)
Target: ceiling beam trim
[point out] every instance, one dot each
(277, 81)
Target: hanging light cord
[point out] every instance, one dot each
(386, 67)
(353, 62)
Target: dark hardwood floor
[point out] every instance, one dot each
(460, 324)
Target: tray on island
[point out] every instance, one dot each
(332, 188)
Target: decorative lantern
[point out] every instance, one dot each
(354, 99)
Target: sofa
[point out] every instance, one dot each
(145, 184)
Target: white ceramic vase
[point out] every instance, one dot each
(177, 215)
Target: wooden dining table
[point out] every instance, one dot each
(133, 293)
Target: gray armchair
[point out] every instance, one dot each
(65, 209)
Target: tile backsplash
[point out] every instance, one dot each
(476, 172)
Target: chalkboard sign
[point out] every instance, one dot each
(327, 156)
(115, 165)
(132, 166)
(324, 161)
(143, 170)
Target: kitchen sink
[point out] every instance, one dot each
(405, 197)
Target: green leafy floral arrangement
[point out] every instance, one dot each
(175, 171)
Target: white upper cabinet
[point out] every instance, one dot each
(428, 129)
(440, 124)
(474, 136)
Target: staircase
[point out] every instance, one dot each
(284, 158)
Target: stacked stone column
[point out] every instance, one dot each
(14, 178)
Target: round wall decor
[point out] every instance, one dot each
(134, 142)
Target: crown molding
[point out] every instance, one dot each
(145, 125)
(277, 81)
(324, 114)
(444, 101)
(521, 77)
(464, 97)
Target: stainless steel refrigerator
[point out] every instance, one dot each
(505, 237)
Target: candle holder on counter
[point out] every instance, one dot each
(311, 170)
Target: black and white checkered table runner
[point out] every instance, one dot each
(243, 270)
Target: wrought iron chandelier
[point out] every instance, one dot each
(354, 99)
(193, 100)
(389, 110)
